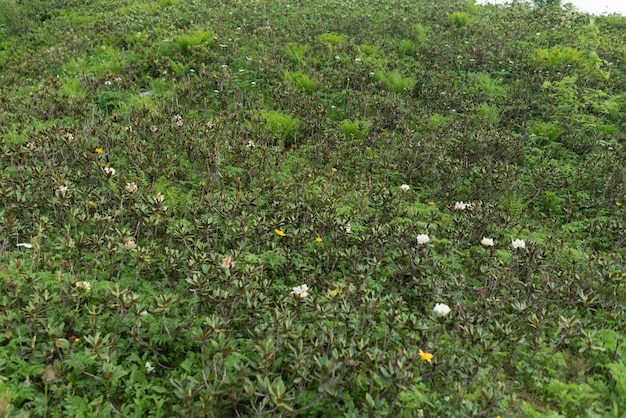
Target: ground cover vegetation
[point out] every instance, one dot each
(323, 208)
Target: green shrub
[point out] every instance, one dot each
(394, 81)
(300, 81)
(355, 129)
(295, 53)
(406, 47)
(458, 19)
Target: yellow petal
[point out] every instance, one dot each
(426, 356)
(279, 232)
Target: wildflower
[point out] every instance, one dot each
(347, 228)
(110, 171)
(30, 146)
(99, 150)
(143, 313)
(431, 203)
(618, 204)
(300, 291)
(426, 356)
(250, 144)
(337, 291)
(487, 242)
(130, 244)
(334, 170)
(63, 189)
(405, 187)
(423, 239)
(319, 239)
(160, 198)
(461, 205)
(280, 233)
(91, 204)
(227, 262)
(131, 187)
(179, 120)
(83, 285)
(25, 245)
(107, 83)
(149, 367)
(69, 136)
(441, 309)
(518, 243)
(49, 373)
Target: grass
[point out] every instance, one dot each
(254, 211)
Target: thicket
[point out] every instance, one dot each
(402, 208)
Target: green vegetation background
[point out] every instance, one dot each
(173, 169)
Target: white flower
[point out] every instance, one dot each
(63, 189)
(423, 239)
(143, 313)
(405, 187)
(347, 228)
(107, 83)
(462, 205)
(25, 245)
(86, 286)
(149, 367)
(250, 144)
(131, 187)
(160, 198)
(518, 243)
(110, 171)
(487, 242)
(301, 291)
(442, 309)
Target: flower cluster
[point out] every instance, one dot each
(300, 291)
(131, 187)
(462, 205)
(442, 309)
(423, 239)
(83, 285)
(518, 243)
(487, 242)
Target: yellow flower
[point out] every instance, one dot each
(337, 291)
(91, 204)
(431, 203)
(618, 204)
(334, 170)
(426, 356)
(279, 232)
(319, 239)
(99, 150)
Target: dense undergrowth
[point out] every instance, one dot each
(173, 172)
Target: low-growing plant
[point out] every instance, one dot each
(458, 19)
(394, 81)
(284, 126)
(300, 81)
(406, 47)
(355, 129)
(296, 52)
